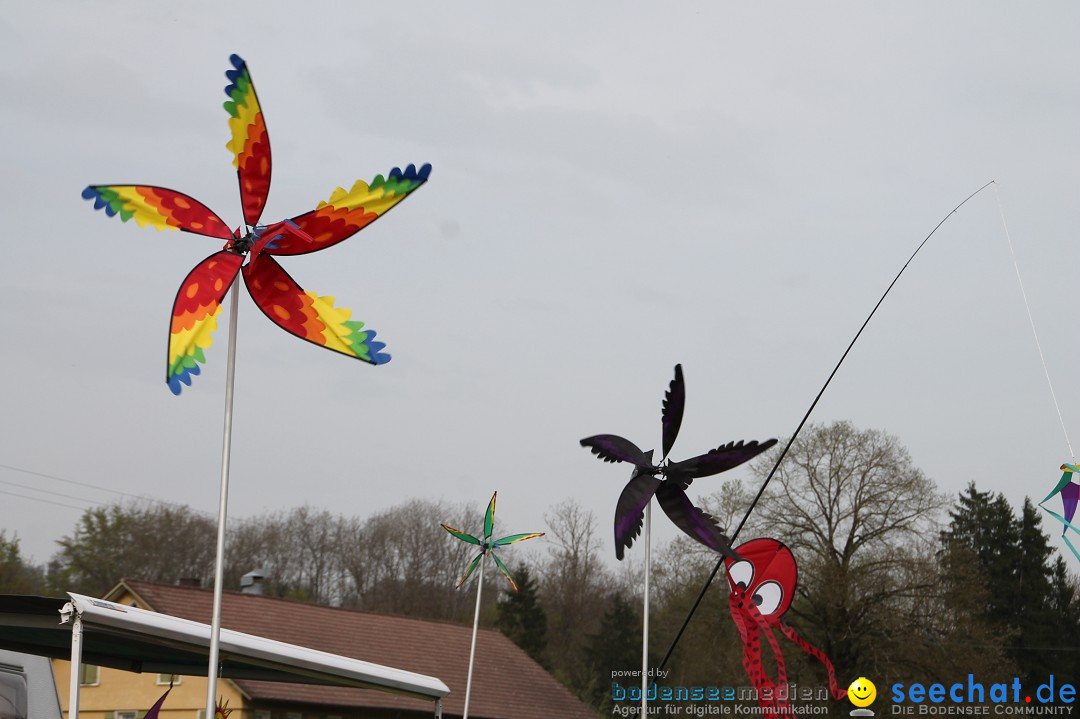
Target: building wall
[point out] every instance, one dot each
(118, 691)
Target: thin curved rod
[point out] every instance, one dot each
(806, 416)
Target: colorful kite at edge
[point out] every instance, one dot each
(198, 302)
(156, 709)
(669, 480)
(1070, 493)
(762, 587)
(488, 547)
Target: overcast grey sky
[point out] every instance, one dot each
(616, 188)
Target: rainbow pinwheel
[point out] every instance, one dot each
(198, 302)
(1070, 494)
(487, 546)
(669, 480)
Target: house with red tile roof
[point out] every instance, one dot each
(507, 683)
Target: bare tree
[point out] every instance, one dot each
(402, 561)
(862, 521)
(575, 584)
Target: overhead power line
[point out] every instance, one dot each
(88, 485)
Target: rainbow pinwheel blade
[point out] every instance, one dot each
(194, 315)
(307, 315)
(348, 212)
(250, 144)
(158, 207)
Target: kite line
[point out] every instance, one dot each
(1068, 490)
(1031, 321)
(783, 453)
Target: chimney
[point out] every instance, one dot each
(252, 582)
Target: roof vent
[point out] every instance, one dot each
(252, 582)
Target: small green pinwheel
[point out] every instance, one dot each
(487, 546)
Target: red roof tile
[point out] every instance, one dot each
(507, 683)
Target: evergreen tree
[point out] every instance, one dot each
(615, 647)
(1065, 607)
(521, 618)
(984, 526)
(1030, 600)
(1034, 612)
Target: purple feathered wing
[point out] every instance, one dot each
(672, 411)
(630, 510)
(721, 459)
(695, 523)
(613, 448)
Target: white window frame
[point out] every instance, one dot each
(164, 681)
(127, 714)
(83, 668)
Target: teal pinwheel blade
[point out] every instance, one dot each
(1066, 523)
(1066, 477)
(489, 518)
(472, 566)
(461, 535)
(1070, 545)
(515, 538)
(505, 571)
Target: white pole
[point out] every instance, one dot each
(226, 451)
(645, 629)
(475, 624)
(76, 667)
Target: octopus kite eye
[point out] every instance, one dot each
(740, 574)
(768, 597)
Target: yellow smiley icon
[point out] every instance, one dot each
(862, 692)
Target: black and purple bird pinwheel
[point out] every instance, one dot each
(668, 480)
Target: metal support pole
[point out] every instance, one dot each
(226, 451)
(438, 709)
(475, 624)
(76, 667)
(645, 613)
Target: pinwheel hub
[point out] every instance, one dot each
(242, 245)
